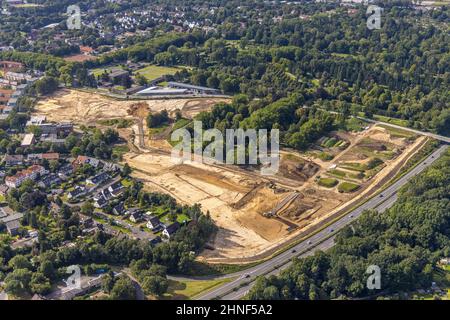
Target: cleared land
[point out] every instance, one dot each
(254, 213)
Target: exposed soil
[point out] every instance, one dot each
(238, 199)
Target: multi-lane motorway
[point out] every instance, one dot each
(322, 240)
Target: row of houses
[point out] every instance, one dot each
(102, 198)
(15, 80)
(17, 159)
(153, 223)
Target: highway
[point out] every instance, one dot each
(322, 240)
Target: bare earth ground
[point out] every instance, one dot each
(237, 199)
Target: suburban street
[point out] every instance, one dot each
(322, 240)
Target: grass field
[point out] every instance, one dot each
(328, 182)
(120, 150)
(338, 173)
(398, 122)
(348, 187)
(179, 290)
(153, 72)
(398, 133)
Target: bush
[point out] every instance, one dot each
(328, 182)
(348, 187)
(324, 156)
(375, 162)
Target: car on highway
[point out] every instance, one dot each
(351, 216)
(309, 242)
(294, 251)
(381, 196)
(331, 230)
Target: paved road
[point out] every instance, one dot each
(322, 240)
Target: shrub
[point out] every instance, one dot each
(328, 182)
(348, 187)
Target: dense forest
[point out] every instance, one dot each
(406, 241)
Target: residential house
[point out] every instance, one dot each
(11, 216)
(49, 180)
(12, 102)
(4, 189)
(65, 171)
(13, 227)
(153, 223)
(119, 209)
(98, 179)
(155, 241)
(13, 160)
(170, 230)
(77, 192)
(101, 202)
(32, 173)
(38, 157)
(105, 194)
(135, 215)
(11, 65)
(81, 160)
(108, 166)
(50, 156)
(116, 189)
(87, 222)
(5, 95)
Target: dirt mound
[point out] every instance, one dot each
(297, 169)
(139, 110)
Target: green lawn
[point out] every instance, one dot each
(398, 122)
(330, 142)
(328, 182)
(120, 150)
(153, 72)
(179, 290)
(398, 133)
(181, 124)
(325, 156)
(338, 173)
(354, 166)
(126, 182)
(348, 187)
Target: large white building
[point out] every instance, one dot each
(31, 173)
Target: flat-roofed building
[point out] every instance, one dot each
(36, 120)
(160, 91)
(28, 140)
(192, 88)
